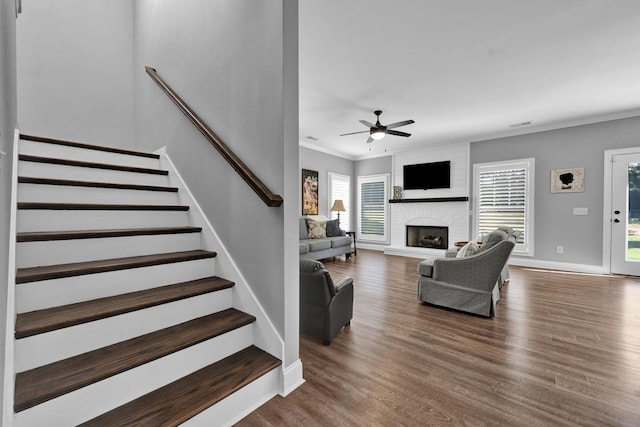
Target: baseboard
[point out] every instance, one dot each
(516, 261)
(414, 252)
(291, 378)
(562, 266)
(266, 336)
(10, 319)
(370, 246)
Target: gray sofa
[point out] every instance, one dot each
(322, 248)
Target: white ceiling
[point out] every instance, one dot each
(464, 70)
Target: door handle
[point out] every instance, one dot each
(616, 220)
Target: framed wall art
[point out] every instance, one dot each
(309, 192)
(567, 180)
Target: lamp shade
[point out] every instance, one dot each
(378, 134)
(338, 206)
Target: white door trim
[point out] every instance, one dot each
(606, 205)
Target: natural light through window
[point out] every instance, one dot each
(503, 195)
(373, 207)
(340, 189)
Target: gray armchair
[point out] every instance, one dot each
(488, 241)
(325, 307)
(468, 284)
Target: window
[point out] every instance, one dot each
(372, 208)
(503, 196)
(340, 189)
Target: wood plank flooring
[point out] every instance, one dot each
(563, 350)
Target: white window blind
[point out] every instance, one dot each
(504, 197)
(372, 207)
(340, 189)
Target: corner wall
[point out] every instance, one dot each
(75, 70)
(227, 59)
(324, 163)
(574, 147)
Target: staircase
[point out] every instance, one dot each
(121, 319)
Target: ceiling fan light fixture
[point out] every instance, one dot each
(378, 134)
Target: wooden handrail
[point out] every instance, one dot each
(270, 199)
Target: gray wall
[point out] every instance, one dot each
(580, 146)
(8, 114)
(74, 70)
(226, 59)
(325, 163)
(377, 165)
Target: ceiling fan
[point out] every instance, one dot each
(378, 131)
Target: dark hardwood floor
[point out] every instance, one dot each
(563, 350)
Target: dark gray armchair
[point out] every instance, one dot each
(325, 307)
(468, 284)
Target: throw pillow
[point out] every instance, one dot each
(316, 229)
(333, 228)
(470, 248)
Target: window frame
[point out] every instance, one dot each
(374, 238)
(526, 247)
(346, 201)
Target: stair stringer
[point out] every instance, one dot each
(10, 309)
(265, 334)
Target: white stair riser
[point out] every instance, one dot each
(33, 254)
(72, 194)
(232, 409)
(51, 293)
(95, 399)
(41, 149)
(61, 220)
(68, 342)
(53, 171)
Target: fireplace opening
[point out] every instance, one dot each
(426, 236)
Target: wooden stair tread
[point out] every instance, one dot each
(46, 320)
(32, 274)
(98, 207)
(50, 381)
(179, 401)
(94, 184)
(88, 146)
(41, 236)
(94, 165)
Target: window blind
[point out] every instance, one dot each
(502, 200)
(372, 208)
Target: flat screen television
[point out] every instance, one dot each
(426, 176)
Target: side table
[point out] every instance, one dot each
(353, 237)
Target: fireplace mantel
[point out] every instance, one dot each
(431, 200)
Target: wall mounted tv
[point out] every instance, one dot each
(426, 176)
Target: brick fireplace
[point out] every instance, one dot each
(433, 218)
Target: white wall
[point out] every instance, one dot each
(227, 59)
(75, 70)
(457, 154)
(8, 113)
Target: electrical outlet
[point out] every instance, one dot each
(581, 211)
(560, 249)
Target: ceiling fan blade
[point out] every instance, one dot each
(397, 133)
(353, 133)
(366, 123)
(398, 124)
(369, 140)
